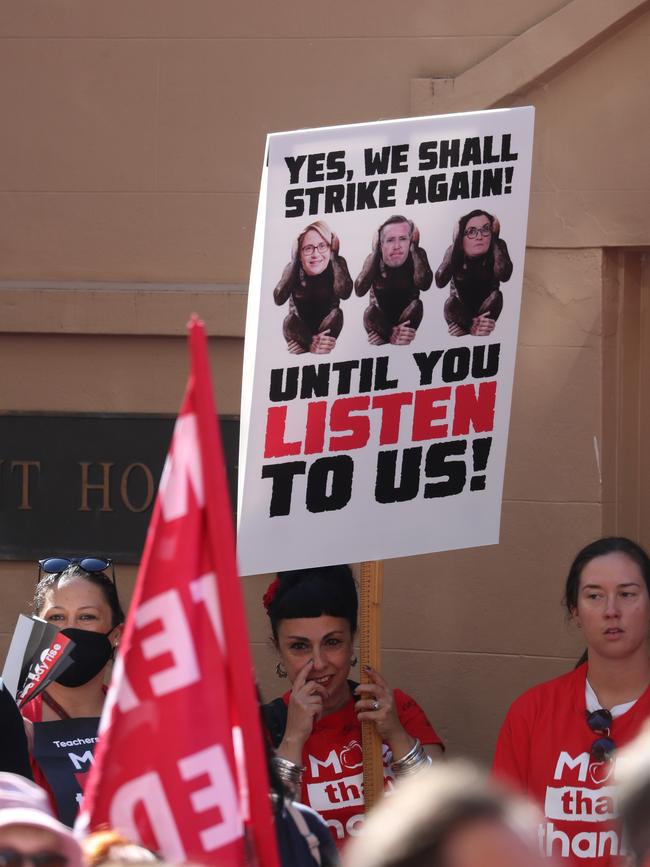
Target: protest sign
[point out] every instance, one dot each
(381, 337)
(37, 655)
(180, 764)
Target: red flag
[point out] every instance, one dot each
(180, 765)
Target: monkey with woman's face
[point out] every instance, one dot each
(394, 273)
(475, 264)
(314, 282)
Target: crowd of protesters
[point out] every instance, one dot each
(559, 789)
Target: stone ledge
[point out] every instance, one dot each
(160, 309)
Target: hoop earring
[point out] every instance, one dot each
(353, 661)
(280, 671)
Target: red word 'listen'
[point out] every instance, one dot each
(347, 420)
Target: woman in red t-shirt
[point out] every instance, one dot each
(79, 598)
(316, 727)
(558, 740)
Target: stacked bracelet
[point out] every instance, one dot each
(290, 773)
(413, 762)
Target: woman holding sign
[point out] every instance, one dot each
(559, 739)
(314, 282)
(81, 600)
(316, 726)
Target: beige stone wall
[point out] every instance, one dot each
(132, 149)
(129, 165)
(591, 177)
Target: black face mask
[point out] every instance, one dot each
(91, 653)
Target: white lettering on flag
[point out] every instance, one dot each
(221, 793)
(174, 638)
(120, 693)
(204, 590)
(182, 470)
(147, 791)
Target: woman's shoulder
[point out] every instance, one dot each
(274, 714)
(545, 694)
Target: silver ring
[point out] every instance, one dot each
(375, 705)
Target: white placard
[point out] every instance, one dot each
(380, 352)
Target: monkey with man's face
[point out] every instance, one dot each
(395, 272)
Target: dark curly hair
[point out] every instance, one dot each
(313, 592)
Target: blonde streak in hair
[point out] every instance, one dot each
(323, 230)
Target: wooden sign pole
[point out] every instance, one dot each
(370, 596)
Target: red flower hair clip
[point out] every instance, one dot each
(271, 592)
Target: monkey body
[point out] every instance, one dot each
(394, 292)
(314, 298)
(314, 302)
(474, 289)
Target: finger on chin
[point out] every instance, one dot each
(317, 689)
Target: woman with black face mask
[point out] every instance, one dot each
(82, 602)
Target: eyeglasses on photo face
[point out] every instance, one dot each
(322, 248)
(473, 232)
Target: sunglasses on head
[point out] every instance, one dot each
(53, 565)
(600, 721)
(45, 858)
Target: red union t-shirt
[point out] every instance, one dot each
(333, 759)
(544, 749)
